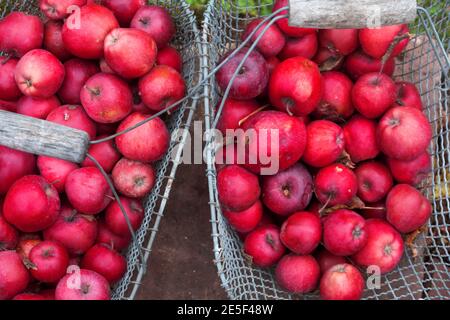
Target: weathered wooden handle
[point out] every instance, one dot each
(42, 137)
(341, 14)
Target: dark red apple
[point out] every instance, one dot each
(384, 247)
(288, 191)
(374, 181)
(358, 64)
(336, 104)
(344, 232)
(407, 209)
(234, 112)
(55, 171)
(131, 53)
(106, 98)
(20, 33)
(335, 184)
(264, 247)
(92, 287)
(8, 234)
(8, 106)
(108, 237)
(296, 86)
(133, 179)
(161, 87)
(298, 274)
(238, 188)
(50, 261)
(157, 22)
(14, 164)
(376, 42)
(324, 143)
(8, 86)
(115, 219)
(373, 94)
(76, 232)
(37, 107)
(251, 79)
(305, 46)
(39, 74)
(84, 32)
(247, 220)
(408, 96)
(59, 9)
(283, 23)
(78, 71)
(105, 153)
(169, 56)
(75, 117)
(360, 135)
(148, 143)
(342, 282)
(53, 41)
(397, 127)
(14, 276)
(88, 191)
(106, 262)
(28, 297)
(31, 204)
(302, 232)
(271, 42)
(124, 10)
(327, 260)
(343, 41)
(412, 172)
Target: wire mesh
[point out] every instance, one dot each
(187, 41)
(424, 269)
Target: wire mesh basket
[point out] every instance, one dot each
(424, 272)
(187, 42)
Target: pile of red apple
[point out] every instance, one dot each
(352, 148)
(105, 75)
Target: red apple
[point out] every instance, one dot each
(247, 220)
(157, 22)
(59, 9)
(25, 246)
(8, 106)
(296, 86)
(283, 23)
(271, 42)
(298, 274)
(305, 46)
(106, 262)
(92, 287)
(76, 232)
(37, 107)
(108, 237)
(376, 42)
(263, 246)
(397, 127)
(408, 96)
(39, 74)
(328, 60)
(407, 209)
(343, 41)
(106, 98)
(301, 233)
(411, 172)
(86, 40)
(358, 64)
(342, 282)
(14, 164)
(124, 10)
(53, 41)
(14, 276)
(133, 179)
(131, 53)
(105, 153)
(55, 171)
(28, 296)
(31, 204)
(169, 56)
(50, 260)
(335, 184)
(20, 33)
(327, 260)
(375, 210)
(78, 71)
(374, 181)
(104, 67)
(360, 135)
(8, 86)
(148, 143)
(115, 219)
(234, 112)
(88, 190)
(75, 117)
(161, 87)
(8, 234)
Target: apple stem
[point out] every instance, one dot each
(252, 114)
(325, 205)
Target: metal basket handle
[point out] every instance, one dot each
(332, 14)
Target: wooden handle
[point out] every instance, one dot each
(341, 14)
(42, 137)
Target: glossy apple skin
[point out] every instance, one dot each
(75, 117)
(39, 74)
(157, 22)
(408, 96)
(8, 87)
(87, 41)
(31, 204)
(14, 165)
(169, 56)
(161, 87)
(93, 287)
(342, 282)
(14, 277)
(374, 181)
(270, 43)
(124, 10)
(20, 33)
(247, 220)
(384, 247)
(358, 64)
(407, 209)
(78, 71)
(133, 179)
(37, 107)
(131, 53)
(296, 86)
(106, 98)
(305, 46)
(360, 135)
(115, 220)
(148, 143)
(298, 274)
(344, 232)
(343, 41)
(283, 23)
(411, 172)
(51, 260)
(335, 184)
(375, 42)
(59, 9)
(235, 111)
(397, 127)
(301, 232)
(105, 153)
(264, 246)
(53, 41)
(55, 171)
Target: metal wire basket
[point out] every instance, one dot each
(187, 41)
(424, 271)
